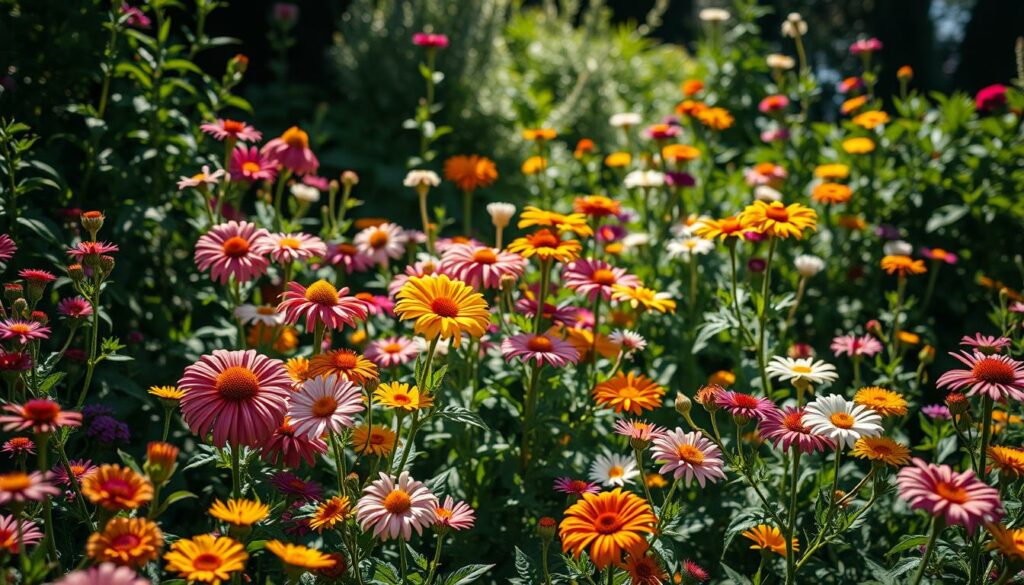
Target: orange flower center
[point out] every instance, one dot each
(295, 138)
(443, 513)
(379, 239)
(266, 310)
(994, 371)
(206, 562)
(690, 454)
(608, 523)
(953, 493)
(444, 307)
(777, 213)
(842, 420)
(347, 249)
(544, 239)
(397, 502)
(20, 328)
(539, 343)
(322, 292)
(14, 482)
(579, 485)
(236, 247)
(41, 411)
(485, 256)
(604, 277)
(376, 438)
(125, 542)
(616, 471)
(292, 243)
(237, 383)
(392, 348)
(324, 406)
(401, 398)
(251, 167)
(794, 422)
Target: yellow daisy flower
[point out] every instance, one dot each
(442, 308)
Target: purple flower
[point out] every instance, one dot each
(680, 179)
(936, 411)
(108, 431)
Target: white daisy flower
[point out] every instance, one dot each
(644, 179)
(777, 61)
(714, 15)
(420, 178)
(610, 469)
(501, 213)
(686, 248)
(808, 265)
(898, 248)
(264, 314)
(625, 120)
(767, 194)
(801, 370)
(841, 420)
(635, 240)
(305, 193)
(628, 341)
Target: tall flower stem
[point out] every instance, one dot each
(897, 309)
(94, 337)
(529, 404)
(762, 358)
(437, 557)
(791, 525)
(278, 196)
(339, 460)
(545, 278)
(933, 535)
(236, 472)
(640, 466)
(544, 561)
(402, 563)
(318, 338)
(425, 218)
(42, 443)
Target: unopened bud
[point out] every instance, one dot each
(926, 355)
(683, 404)
(349, 178)
(957, 403)
(76, 272)
(13, 291)
(874, 327)
(19, 307)
(238, 64)
(106, 265)
(161, 461)
(92, 221)
(507, 282)
(546, 527)
(39, 317)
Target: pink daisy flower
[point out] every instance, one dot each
(10, 542)
(638, 430)
(320, 183)
(321, 303)
(74, 307)
(391, 351)
(986, 344)
(480, 265)
(223, 129)
(7, 248)
(42, 415)
(241, 396)
(995, 376)
(936, 411)
(540, 348)
(23, 331)
(103, 574)
(744, 405)
(294, 487)
(442, 245)
(454, 515)
(377, 304)
(79, 468)
(136, 18)
(15, 361)
(347, 256)
(558, 315)
(19, 446)
(249, 164)
(394, 507)
(325, 404)
(418, 269)
(628, 341)
(19, 487)
(865, 46)
(596, 277)
(961, 498)
(854, 346)
(786, 429)
(288, 248)
(576, 487)
(290, 448)
(291, 151)
(37, 277)
(689, 456)
(233, 249)
(431, 41)
(202, 179)
(939, 254)
(382, 243)
(93, 250)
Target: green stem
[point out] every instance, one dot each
(933, 535)
(437, 558)
(94, 342)
(402, 562)
(545, 544)
(236, 475)
(791, 526)
(528, 407)
(640, 467)
(339, 459)
(763, 318)
(318, 337)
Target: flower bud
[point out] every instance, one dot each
(39, 317)
(19, 307)
(926, 355)
(683, 404)
(957, 403)
(507, 282)
(706, 396)
(13, 291)
(92, 221)
(874, 328)
(76, 272)
(349, 178)
(106, 265)
(546, 528)
(161, 461)
(905, 73)
(238, 64)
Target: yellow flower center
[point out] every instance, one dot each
(266, 310)
(251, 167)
(801, 369)
(397, 502)
(616, 471)
(604, 277)
(295, 138)
(324, 406)
(322, 292)
(289, 242)
(842, 420)
(237, 383)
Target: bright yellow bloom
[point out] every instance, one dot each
(871, 119)
(298, 369)
(443, 308)
(1008, 541)
(832, 171)
(1000, 420)
(649, 299)
(402, 396)
(679, 153)
(239, 512)
(903, 265)
(908, 338)
(596, 206)
(535, 134)
(573, 222)
(858, 145)
(725, 228)
(767, 537)
(546, 246)
(723, 378)
(716, 118)
(881, 400)
(534, 165)
(833, 193)
(881, 449)
(205, 559)
(167, 393)
(779, 220)
(655, 480)
(1007, 460)
(298, 556)
(330, 512)
(378, 441)
(617, 160)
(630, 392)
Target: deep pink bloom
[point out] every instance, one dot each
(865, 46)
(377, 304)
(233, 249)
(223, 129)
(37, 277)
(291, 151)
(991, 98)
(610, 233)
(14, 361)
(454, 515)
(241, 396)
(103, 574)
(289, 448)
(249, 164)
(41, 415)
(94, 250)
(433, 41)
(321, 303)
(940, 255)
(74, 307)
(19, 446)
(937, 411)
(995, 376)
(7, 248)
(961, 498)
(661, 131)
(558, 315)
(135, 17)
(540, 348)
(986, 344)
(287, 248)
(478, 265)
(745, 405)
(596, 277)
(576, 487)
(391, 351)
(34, 490)
(786, 429)
(773, 103)
(688, 456)
(695, 572)
(294, 486)
(23, 331)
(348, 256)
(10, 542)
(79, 468)
(854, 346)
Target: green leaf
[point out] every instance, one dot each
(945, 215)
(462, 415)
(182, 65)
(467, 574)
(908, 543)
(173, 498)
(525, 567)
(735, 577)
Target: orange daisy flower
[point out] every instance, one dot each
(596, 206)
(618, 160)
(629, 393)
(116, 488)
(768, 537)
(871, 119)
(831, 193)
(716, 118)
(345, 364)
(725, 229)
(573, 222)
(677, 153)
(546, 246)
(330, 512)
(903, 265)
(779, 220)
(610, 523)
(470, 173)
(132, 542)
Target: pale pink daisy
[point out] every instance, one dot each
(202, 179)
(10, 540)
(291, 151)
(382, 243)
(347, 256)
(786, 430)
(223, 129)
(288, 248)
(855, 346)
(249, 164)
(442, 245)
(324, 405)
(321, 303)
(638, 430)
(41, 415)
(103, 574)
(628, 341)
(576, 487)
(19, 487)
(591, 278)
(419, 268)
(74, 307)
(557, 315)
(394, 507)
(540, 348)
(23, 331)
(960, 498)
(233, 249)
(377, 304)
(7, 248)
(744, 405)
(290, 448)
(688, 456)
(480, 265)
(241, 396)
(986, 344)
(995, 376)
(454, 515)
(391, 351)
(936, 411)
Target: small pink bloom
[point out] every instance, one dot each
(288, 248)
(558, 315)
(23, 331)
(74, 307)
(854, 346)
(991, 98)
(773, 104)
(478, 265)
(391, 351)
(961, 498)
(291, 151)
(986, 344)
(432, 41)
(454, 515)
(41, 415)
(745, 405)
(10, 541)
(324, 405)
(576, 487)
(865, 46)
(29, 487)
(786, 430)
(202, 179)
(940, 255)
(540, 348)
(233, 249)
(392, 507)
(591, 278)
(347, 256)
(688, 456)
(103, 574)
(382, 243)
(135, 18)
(249, 164)
(91, 250)
(996, 376)
(7, 248)
(290, 448)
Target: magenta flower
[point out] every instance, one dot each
(960, 498)
(638, 430)
(773, 103)
(248, 164)
(7, 248)
(18, 446)
(74, 307)
(79, 468)
(854, 346)
(19, 487)
(36, 277)
(576, 487)
(321, 303)
(995, 376)
(591, 278)
(786, 429)
(986, 344)
(391, 352)
(233, 249)
(540, 348)
(940, 255)
(865, 46)
(23, 331)
(10, 542)
(135, 17)
(454, 515)
(223, 129)
(91, 250)
(103, 574)
(480, 265)
(431, 41)
(291, 151)
(418, 269)
(41, 415)
(937, 411)
(14, 361)
(558, 315)
(294, 487)
(991, 98)
(349, 257)
(288, 248)
(688, 456)
(290, 448)
(744, 405)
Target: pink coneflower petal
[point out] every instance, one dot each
(23, 331)
(995, 376)
(986, 344)
(382, 243)
(249, 164)
(591, 278)
(540, 348)
(393, 507)
(786, 430)
(478, 265)
(223, 129)
(688, 456)
(576, 487)
(321, 303)
(854, 346)
(74, 307)
(961, 498)
(288, 248)
(289, 448)
(454, 515)
(745, 405)
(233, 249)
(324, 404)
(391, 351)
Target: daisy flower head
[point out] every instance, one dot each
(727, 229)
(74, 307)
(639, 432)
(421, 180)
(131, 542)
(936, 412)
(321, 303)
(249, 164)
(348, 257)
(778, 220)
(377, 440)
(40, 415)
(808, 265)
(541, 348)
(546, 246)
(223, 129)
(903, 266)
(391, 352)
(855, 346)
(986, 344)
(801, 370)
(641, 297)
(328, 513)
(402, 396)
(18, 487)
(629, 392)
(206, 559)
(239, 396)
(641, 179)
(298, 559)
(480, 266)
(609, 523)
(501, 213)
(23, 331)
(1008, 541)
(291, 151)
(688, 456)
(612, 469)
(644, 569)
(294, 487)
(1008, 460)
(116, 488)
(393, 507)
(575, 223)
(471, 172)
(7, 248)
(90, 252)
(239, 512)
(596, 206)
(629, 341)
(18, 447)
(769, 538)
(382, 243)
(288, 248)
(881, 450)
(996, 376)
(843, 421)
(233, 249)
(103, 574)
(961, 499)
(742, 406)
(576, 487)
(345, 364)
(454, 515)
(266, 315)
(201, 180)
(324, 405)
(443, 308)
(785, 428)
(687, 248)
(288, 447)
(10, 542)
(881, 400)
